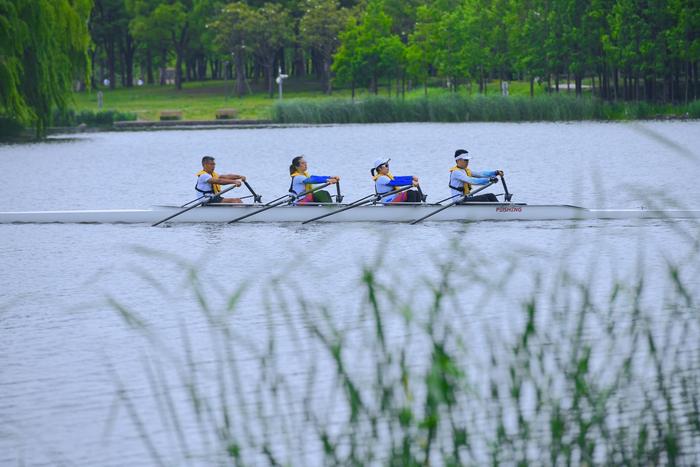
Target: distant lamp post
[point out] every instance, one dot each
(280, 79)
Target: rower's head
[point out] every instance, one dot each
(462, 158)
(381, 166)
(208, 164)
(298, 165)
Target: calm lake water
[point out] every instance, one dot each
(64, 347)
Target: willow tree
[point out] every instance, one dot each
(43, 49)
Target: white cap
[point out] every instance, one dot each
(462, 154)
(381, 161)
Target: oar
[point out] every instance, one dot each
(362, 201)
(256, 198)
(193, 206)
(338, 197)
(420, 193)
(463, 198)
(287, 198)
(194, 200)
(449, 197)
(505, 188)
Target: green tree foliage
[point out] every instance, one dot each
(619, 49)
(43, 49)
(320, 28)
(422, 45)
(369, 50)
(270, 31)
(153, 37)
(109, 27)
(233, 29)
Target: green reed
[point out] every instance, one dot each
(575, 379)
(102, 118)
(458, 108)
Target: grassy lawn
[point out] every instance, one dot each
(201, 100)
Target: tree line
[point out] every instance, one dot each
(622, 49)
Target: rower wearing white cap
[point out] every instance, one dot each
(385, 182)
(462, 178)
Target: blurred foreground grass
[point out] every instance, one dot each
(575, 375)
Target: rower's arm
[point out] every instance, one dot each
(471, 180)
(485, 174)
(316, 179)
(233, 176)
(224, 181)
(403, 180)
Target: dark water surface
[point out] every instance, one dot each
(63, 347)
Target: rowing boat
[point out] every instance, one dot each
(404, 212)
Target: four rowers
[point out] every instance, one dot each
(461, 180)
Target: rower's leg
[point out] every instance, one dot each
(412, 196)
(322, 196)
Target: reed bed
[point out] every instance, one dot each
(579, 375)
(458, 108)
(70, 117)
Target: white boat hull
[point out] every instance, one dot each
(394, 213)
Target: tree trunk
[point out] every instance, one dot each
(109, 48)
(129, 51)
(268, 75)
(149, 67)
(327, 75)
(240, 73)
(163, 69)
(532, 86)
(178, 69)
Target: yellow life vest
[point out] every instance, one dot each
(215, 188)
(466, 187)
(388, 174)
(307, 186)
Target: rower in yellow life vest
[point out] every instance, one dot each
(385, 182)
(209, 182)
(302, 181)
(462, 178)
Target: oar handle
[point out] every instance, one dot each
(508, 196)
(338, 197)
(193, 206)
(256, 197)
(420, 193)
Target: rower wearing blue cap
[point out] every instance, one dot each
(462, 178)
(385, 182)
